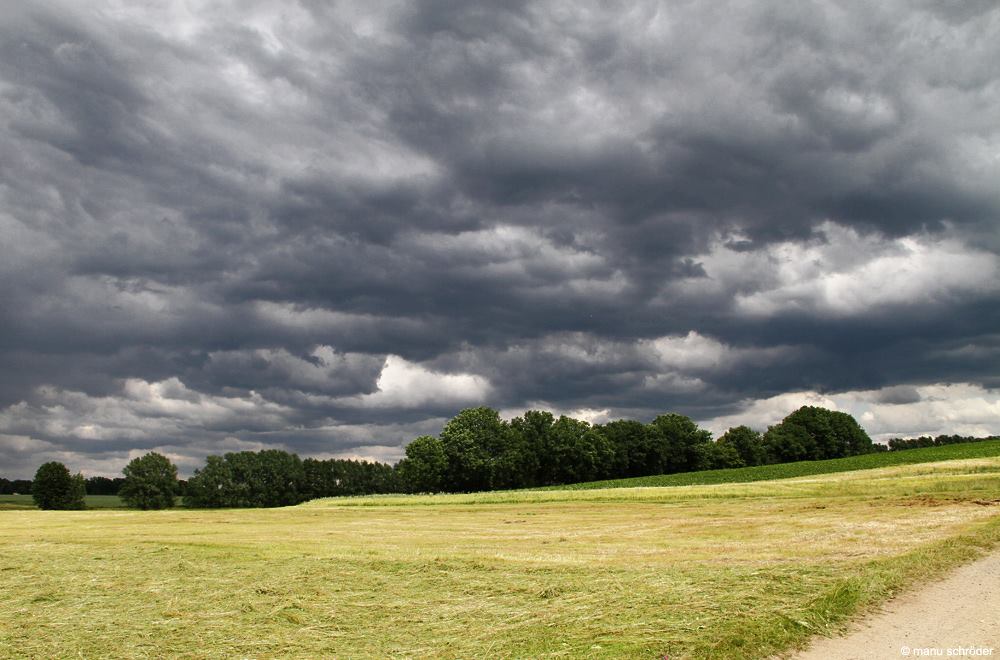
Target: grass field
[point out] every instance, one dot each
(728, 570)
(15, 502)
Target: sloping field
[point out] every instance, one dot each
(802, 468)
(730, 570)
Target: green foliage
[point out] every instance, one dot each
(529, 434)
(477, 451)
(747, 443)
(812, 433)
(15, 486)
(896, 444)
(800, 469)
(150, 482)
(267, 478)
(636, 451)
(719, 455)
(104, 485)
(574, 451)
(473, 442)
(333, 477)
(680, 442)
(482, 452)
(55, 488)
(211, 486)
(423, 470)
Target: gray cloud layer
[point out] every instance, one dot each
(330, 226)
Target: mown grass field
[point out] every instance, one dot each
(726, 570)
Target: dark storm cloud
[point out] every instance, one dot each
(329, 227)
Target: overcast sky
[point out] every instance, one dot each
(328, 227)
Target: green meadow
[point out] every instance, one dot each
(728, 570)
(15, 502)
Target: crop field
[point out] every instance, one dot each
(727, 570)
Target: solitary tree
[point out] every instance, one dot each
(55, 488)
(150, 482)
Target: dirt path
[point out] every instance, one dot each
(960, 612)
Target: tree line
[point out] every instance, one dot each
(896, 444)
(478, 450)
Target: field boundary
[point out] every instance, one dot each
(875, 583)
(778, 471)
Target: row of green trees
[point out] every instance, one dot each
(14, 486)
(476, 450)
(241, 479)
(896, 444)
(150, 482)
(95, 486)
(273, 477)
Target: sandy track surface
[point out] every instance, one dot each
(952, 615)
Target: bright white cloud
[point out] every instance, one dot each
(962, 408)
(761, 413)
(404, 384)
(844, 273)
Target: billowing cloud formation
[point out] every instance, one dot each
(890, 412)
(329, 227)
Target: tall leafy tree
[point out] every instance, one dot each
(719, 455)
(212, 486)
(747, 443)
(271, 477)
(425, 466)
(473, 441)
(679, 443)
(55, 488)
(150, 482)
(530, 433)
(813, 433)
(636, 453)
(576, 452)
(786, 443)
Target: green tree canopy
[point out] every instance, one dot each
(212, 486)
(424, 468)
(813, 433)
(679, 443)
(575, 451)
(473, 442)
(55, 488)
(747, 443)
(150, 482)
(635, 452)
